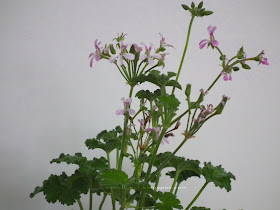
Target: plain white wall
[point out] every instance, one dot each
(51, 101)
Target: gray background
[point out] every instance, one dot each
(51, 101)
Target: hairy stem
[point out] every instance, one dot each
(197, 195)
(175, 180)
(184, 53)
(80, 204)
(102, 202)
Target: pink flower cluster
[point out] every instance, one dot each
(148, 55)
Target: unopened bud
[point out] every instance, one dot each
(188, 90)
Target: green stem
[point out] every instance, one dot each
(176, 190)
(154, 152)
(108, 158)
(102, 202)
(184, 53)
(157, 180)
(197, 195)
(80, 204)
(113, 200)
(90, 194)
(124, 143)
(218, 77)
(175, 180)
(169, 158)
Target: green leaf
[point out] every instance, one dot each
(146, 94)
(200, 5)
(193, 5)
(218, 176)
(206, 13)
(185, 7)
(240, 53)
(62, 188)
(158, 79)
(113, 178)
(106, 140)
(245, 66)
(181, 164)
(183, 176)
(200, 208)
(235, 68)
(77, 159)
(168, 201)
(170, 101)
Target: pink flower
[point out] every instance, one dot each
(203, 92)
(262, 59)
(155, 107)
(157, 130)
(204, 113)
(137, 48)
(164, 140)
(97, 54)
(126, 103)
(212, 41)
(227, 72)
(163, 43)
(148, 55)
(226, 76)
(142, 123)
(123, 54)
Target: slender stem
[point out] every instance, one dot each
(157, 180)
(121, 72)
(197, 195)
(90, 194)
(108, 158)
(123, 143)
(113, 200)
(103, 200)
(175, 180)
(154, 152)
(176, 190)
(185, 50)
(169, 158)
(80, 204)
(218, 77)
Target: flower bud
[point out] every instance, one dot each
(188, 90)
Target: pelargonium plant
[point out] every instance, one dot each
(146, 128)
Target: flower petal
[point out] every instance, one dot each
(91, 54)
(150, 61)
(215, 43)
(113, 58)
(211, 30)
(120, 112)
(120, 61)
(143, 57)
(131, 111)
(97, 57)
(129, 56)
(91, 60)
(204, 40)
(156, 55)
(202, 45)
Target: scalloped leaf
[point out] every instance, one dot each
(62, 188)
(77, 159)
(181, 164)
(113, 178)
(168, 201)
(218, 176)
(183, 176)
(170, 101)
(158, 79)
(146, 94)
(106, 140)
